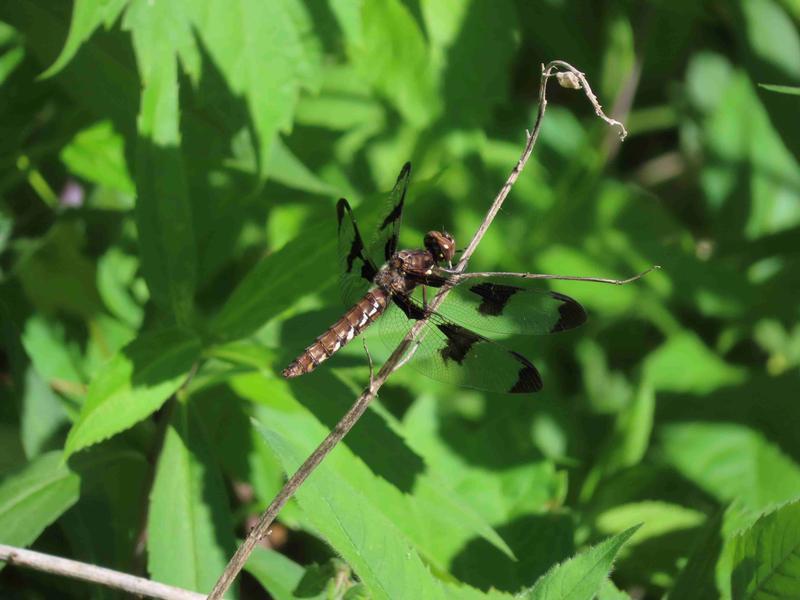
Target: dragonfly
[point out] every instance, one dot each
(458, 342)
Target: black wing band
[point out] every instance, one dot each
(356, 268)
(389, 229)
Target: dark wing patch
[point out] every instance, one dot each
(495, 297)
(389, 230)
(528, 378)
(570, 313)
(459, 341)
(357, 269)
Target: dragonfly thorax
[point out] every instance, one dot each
(393, 275)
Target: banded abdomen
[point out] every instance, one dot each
(354, 321)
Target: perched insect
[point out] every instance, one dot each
(450, 347)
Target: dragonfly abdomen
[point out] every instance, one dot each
(365, 312)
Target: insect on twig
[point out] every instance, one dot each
(514, 372)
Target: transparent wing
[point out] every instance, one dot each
(356, 268)
(359, 262)
(509, 306)
(385, 241)
(454, 354)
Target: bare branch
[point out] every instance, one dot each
(73, 569)
(407, 347)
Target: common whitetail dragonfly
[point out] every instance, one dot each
(454, 345)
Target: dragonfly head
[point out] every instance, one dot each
(441, 245)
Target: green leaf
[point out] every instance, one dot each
(766, 562)
(87, 15)
(285, 168)
(58, 275)
(696, 581)
(134, 384)
(631, 437)
(781, 89)
(684, 364)
(97, 154)
(656, 518)
(277, 573)
(265, 53)
(163, 211)
(632, 431)
(722, 92)
(772, 35)
(528, 485)
(582, 576)
(324, 579)
(392, 54)
(608, 591)
(189, 525)
(272, 286)
(42, 415)
(115, 275)
(53, 357)
(34, 496)
(340, 501)
(516, 491)
(107, 521)
(425, 510)
(731, 462)
(472, 46)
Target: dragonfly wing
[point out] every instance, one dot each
(452, 353)
(356, 267)
(509, 306)
(385, 241)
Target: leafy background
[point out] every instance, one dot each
(167, 182)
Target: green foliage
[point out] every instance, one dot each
(580, 577)
(34, 497)
(766, 557)
(189, 522)
(168, 177)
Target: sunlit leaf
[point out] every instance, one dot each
(391, 52)
(582, 576)
(379, 553)
(97, 155)
(772, 34)
(34, 496)
(424, 503)
(163, 211)
(189, 525)
(42, 415)
(731, 462)
(656, 519)
(87, 15)
(767, 556)
(685, 364)
(134, 384)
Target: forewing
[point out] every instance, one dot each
(356, 268)
(454, 354)
(510, 306)
(385, 241)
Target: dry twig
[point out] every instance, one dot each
(406, 347)
(73, 569)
